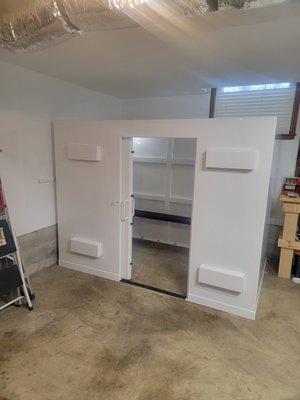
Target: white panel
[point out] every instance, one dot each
(182, 181)
(86, 247)
(184, 149)
(221, 278)
(150, 147)
(84, 152)
(149, 178)
(231, 158)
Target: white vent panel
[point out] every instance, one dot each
(84, 152)
(86, 247)
(221, 278)
(231, 158)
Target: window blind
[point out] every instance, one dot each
(248, 102)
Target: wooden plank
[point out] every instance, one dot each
(291, 208)
(285, 264)
(292, 245)
(286, 199)
(290, 226)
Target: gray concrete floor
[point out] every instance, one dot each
(90, 338)
(160, 265)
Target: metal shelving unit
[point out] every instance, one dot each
(15, 280)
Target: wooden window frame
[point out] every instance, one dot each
(212, 105)
(295, 113)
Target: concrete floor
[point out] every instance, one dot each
(90, 338)
(160, 265)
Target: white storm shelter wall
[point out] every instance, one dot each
(163, 182)
(232, 172)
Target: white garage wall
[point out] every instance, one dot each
(28, 103)
(172, 107)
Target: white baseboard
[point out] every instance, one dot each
(90, 270)
(229, 308)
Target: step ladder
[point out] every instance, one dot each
(14, 281)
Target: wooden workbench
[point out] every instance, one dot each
(287, 242)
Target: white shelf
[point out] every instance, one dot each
(157, 197)
(156, 160)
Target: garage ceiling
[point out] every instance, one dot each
(166, 56)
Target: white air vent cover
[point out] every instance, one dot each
(86, 247)
(231, 158)
(84, 152)
(221, 278)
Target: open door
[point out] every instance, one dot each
(127, 207)
(88, 199)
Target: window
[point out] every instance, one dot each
(265, 86)
(258, 100)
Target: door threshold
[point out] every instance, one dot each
(154, 289)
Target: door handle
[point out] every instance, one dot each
(125, 209)
(133, 206)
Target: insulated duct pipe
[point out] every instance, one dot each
(29, 25)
